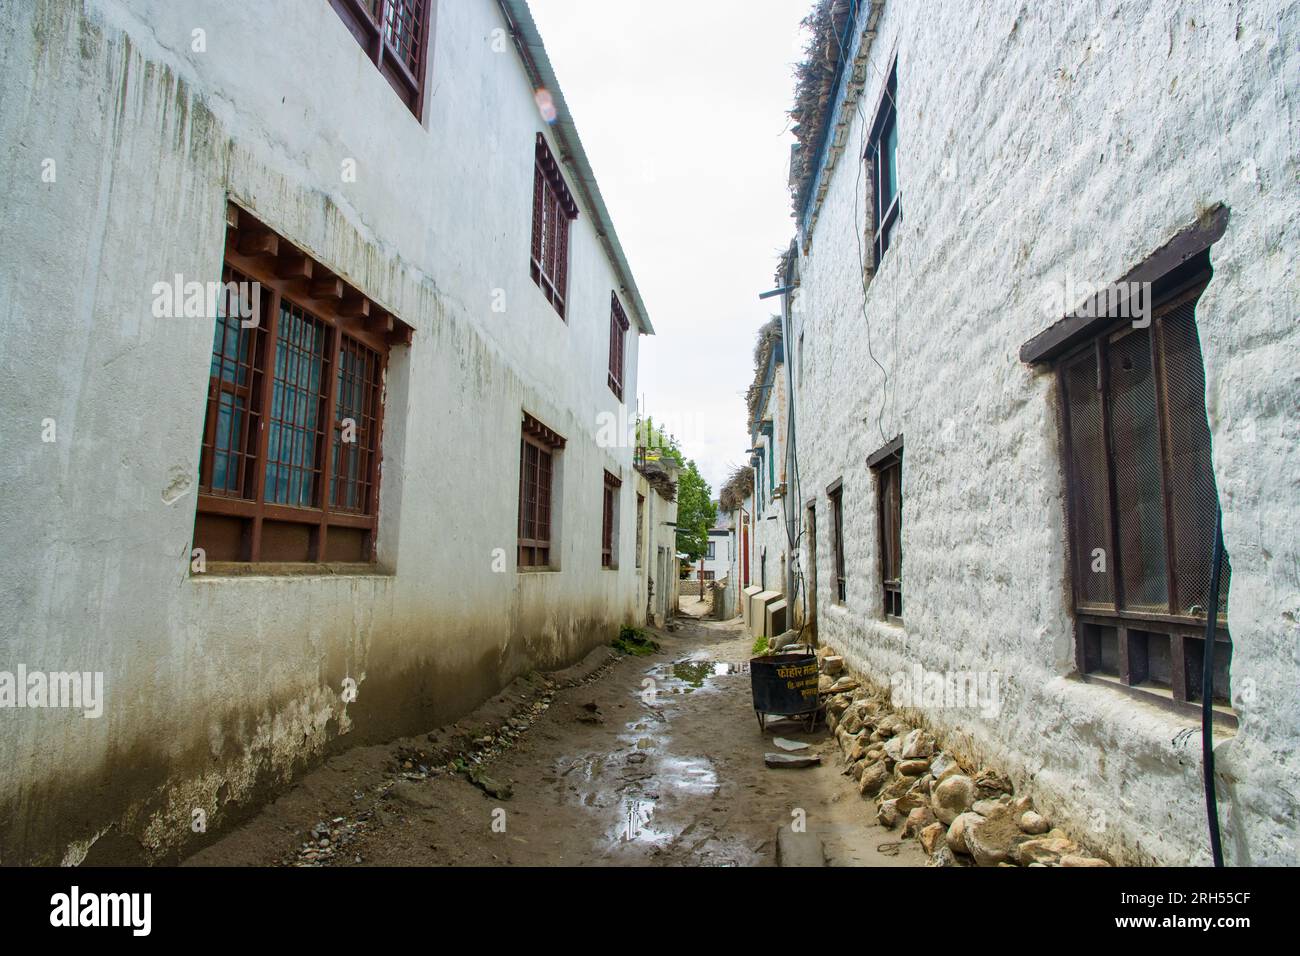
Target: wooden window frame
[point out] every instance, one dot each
(887, 464)
(609, 523)
(618, 326)
(1113, 643)
(372, 22)
(835, 499)
(883, 167)
(537, 513)
(553, 210)
(292, 282)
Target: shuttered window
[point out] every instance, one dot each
(618, 326)
(836, 497)
(888, 466)
(609, 523)
(553, 208)
(538, 446)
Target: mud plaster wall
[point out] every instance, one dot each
(219, 689)
(1038, 142)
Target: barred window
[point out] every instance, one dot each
(538, 446)
(395, 35)
(296, 382)
(553, 208)
(618, 326)
(1142, 502)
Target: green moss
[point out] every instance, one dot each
(633, 640)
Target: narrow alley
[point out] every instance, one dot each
(619, 760)
(664, 435)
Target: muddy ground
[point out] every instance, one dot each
(604, 769)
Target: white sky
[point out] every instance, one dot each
(682, 109)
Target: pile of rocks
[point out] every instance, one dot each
(961, 817)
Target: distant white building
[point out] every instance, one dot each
(717, 558)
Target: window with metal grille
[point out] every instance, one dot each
(395, 35)
(640, 528)
(609, 524)
(618, 325)
(882, 162)
(553, 208)
(887, 463)
(289, 460)
(538, 446)
(835, 495)
(1142, 501)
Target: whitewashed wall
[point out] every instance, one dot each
(1037, 142)
(218, 690)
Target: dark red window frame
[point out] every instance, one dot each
(277, 480)
(618, 326)
(608, 557)
(835, 496)
(395, 35)
(553, 209)
(538, 446)
(888, 466)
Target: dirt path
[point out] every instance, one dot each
(652, 760)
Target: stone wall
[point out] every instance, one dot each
(1037, 143)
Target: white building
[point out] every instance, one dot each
(978, 168)
(717, 555)
(657, 538)
(383, 493)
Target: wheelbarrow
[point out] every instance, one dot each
(785, 685)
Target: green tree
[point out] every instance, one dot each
(696, 512)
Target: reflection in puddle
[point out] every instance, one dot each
(693, 671)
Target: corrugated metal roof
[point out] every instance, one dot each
(528, 42)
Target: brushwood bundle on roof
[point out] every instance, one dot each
(659, 479)
(736, 488)
(768, 336)
(815, 90)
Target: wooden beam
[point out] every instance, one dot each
(294, 264)
(327, 287)
(232, 215)
(355, 307)
(380, 321)
(258, 243)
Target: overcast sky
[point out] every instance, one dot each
(682, 109)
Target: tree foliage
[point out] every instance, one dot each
(696, 512)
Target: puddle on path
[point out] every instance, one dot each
(647, 794)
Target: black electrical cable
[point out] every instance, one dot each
(1207, 695)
